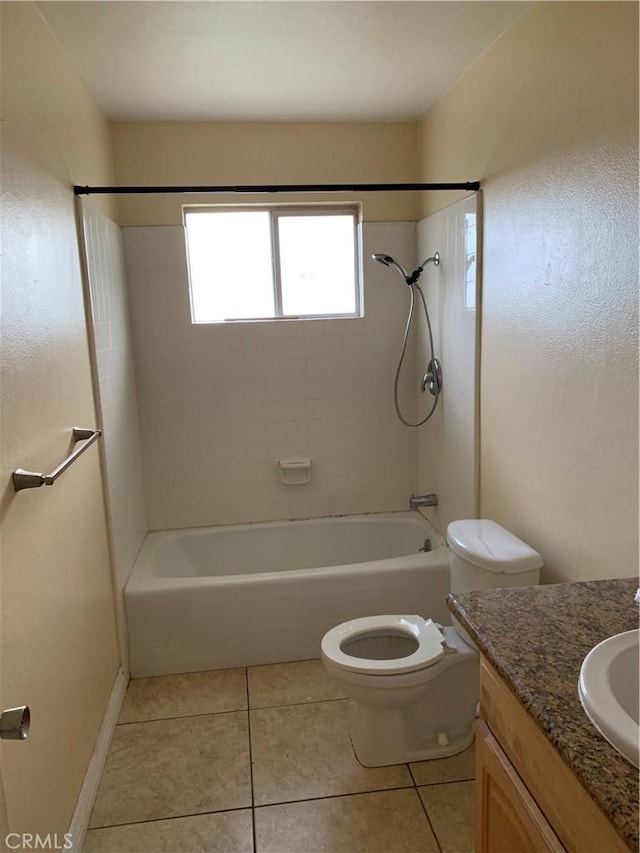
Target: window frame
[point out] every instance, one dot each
(277, 212)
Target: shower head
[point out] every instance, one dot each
(387, 261)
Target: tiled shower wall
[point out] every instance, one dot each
(219, 405)
(447, 451)
(108, 318)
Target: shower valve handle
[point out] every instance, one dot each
(432, 379)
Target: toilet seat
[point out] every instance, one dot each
(427, 634)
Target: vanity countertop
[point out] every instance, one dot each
(536, 639)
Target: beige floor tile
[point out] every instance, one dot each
(458, 768)
(182, 695)
(451, 810)
(290, 684)
(383, 822)
(304, 751)
(170, 768)
(222, 832)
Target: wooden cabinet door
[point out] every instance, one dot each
(507, 818)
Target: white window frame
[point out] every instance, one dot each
(277, 212)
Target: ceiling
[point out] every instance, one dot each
(297, 60)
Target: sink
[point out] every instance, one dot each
(609, 691)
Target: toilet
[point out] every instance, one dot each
(414, 684)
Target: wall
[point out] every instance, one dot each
(219, 405)
(110, 341)
(447, 445)
(548, 120)
(229, 153)
(59, 645)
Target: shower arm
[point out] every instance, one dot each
(415, 275)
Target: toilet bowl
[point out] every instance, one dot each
(414, 684)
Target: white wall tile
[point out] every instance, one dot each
(116, 394)
(218, 405)
(447, 444)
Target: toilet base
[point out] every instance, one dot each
(383, 758)
(373, 751)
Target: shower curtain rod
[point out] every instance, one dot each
(469, 186)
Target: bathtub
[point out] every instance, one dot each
(218, 597)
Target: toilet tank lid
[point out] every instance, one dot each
(488, 545)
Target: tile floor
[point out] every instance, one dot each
(259, 759)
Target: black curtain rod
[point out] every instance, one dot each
(469, 186)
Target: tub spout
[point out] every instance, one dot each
(416, 501)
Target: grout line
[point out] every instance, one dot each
(229, 711)
(182, 717)
(336, 796)
(283, 663)
(259, 806)
(426, 814)
(439, 781)
(444, 782)
(278, 803)
(169, 817)
(253, 802)
(424, 808)
(297, 704)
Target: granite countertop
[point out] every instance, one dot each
(536, 638)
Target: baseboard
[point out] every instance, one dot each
(86, 799)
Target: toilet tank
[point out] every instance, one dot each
(484, 555)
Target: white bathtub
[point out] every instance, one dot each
(211, 598)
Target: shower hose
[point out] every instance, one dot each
(412, 288)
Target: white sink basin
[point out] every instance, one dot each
(610, 692)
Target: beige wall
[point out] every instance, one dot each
(230, 153)
(548, 120)
(59, 647)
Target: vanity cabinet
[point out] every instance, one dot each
(527, 799)
(508, 819)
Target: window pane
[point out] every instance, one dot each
(317, 264)
(470, 248)
(230, 265)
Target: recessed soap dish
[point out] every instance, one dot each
(295, 472)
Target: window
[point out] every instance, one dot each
(266, 263)
(470, 250)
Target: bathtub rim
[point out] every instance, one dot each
(143, 580)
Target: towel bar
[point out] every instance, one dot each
(31, 480)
